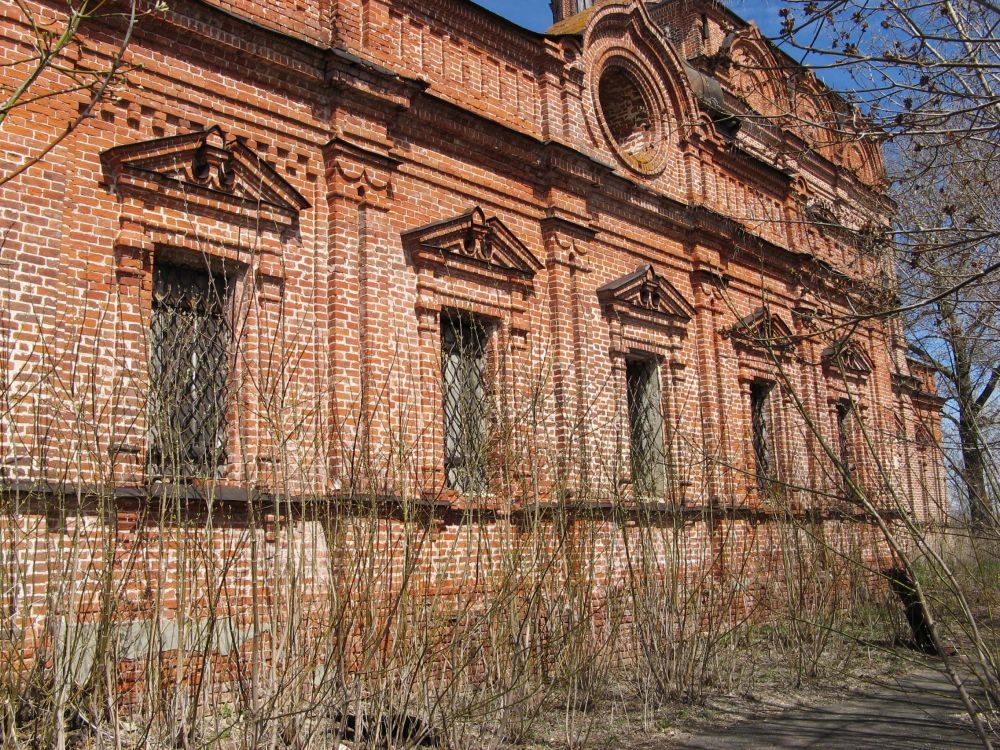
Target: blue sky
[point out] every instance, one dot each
(535, 14)
(532, 14)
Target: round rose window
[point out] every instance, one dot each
(629, 118)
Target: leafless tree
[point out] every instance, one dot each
(925, 75)
(945, 224)
(56, 62)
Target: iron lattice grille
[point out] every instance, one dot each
(845, 440)
(467, 412)
(645, 416)
(760, 424)
(188, 374)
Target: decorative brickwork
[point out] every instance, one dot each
(645, 183)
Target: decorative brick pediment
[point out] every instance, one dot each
(763, 329)
(473, 243)
(205, 168)
(848, 357)
(646, 293)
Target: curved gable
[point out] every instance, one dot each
(625, 52)
(755, 74)
(812, 117)
(860, 154)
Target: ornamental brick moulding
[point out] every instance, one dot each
(763, 330)
(755, 74)
(812, 117)
(201, 191)
(467, 265)
(476, 264)
(647, 297)
(848, 358)
(648, 316)
(860, 156)
(639, 100)
(362, 169)
(205, 169)
(473, 244)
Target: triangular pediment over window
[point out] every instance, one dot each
(207, 167)
(647, 293)
(848, 357)
(764, 330)
(474, 243)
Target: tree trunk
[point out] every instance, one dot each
(973, 461)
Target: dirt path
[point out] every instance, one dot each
(917, 711)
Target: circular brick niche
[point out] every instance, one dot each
(631, 119)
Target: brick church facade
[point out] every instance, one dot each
(408, 251)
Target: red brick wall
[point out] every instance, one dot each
(440, 108)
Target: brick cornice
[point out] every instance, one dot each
(263, 42)
(333, 58)
(912, 386)
(507, 145)
(547, 161)
(558, 222)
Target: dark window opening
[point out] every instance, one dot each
(188, 374)
(845, 443)
(762, 438)
(628, 115)
(645, 416)
(467, 414)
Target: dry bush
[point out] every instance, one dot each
(188, 619)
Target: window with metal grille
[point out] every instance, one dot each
(468, 415)
(575, 6)
(645, 416)
(845, 446)
(10, 587)
(188, 373)
(762, 439)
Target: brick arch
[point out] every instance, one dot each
(755, 73)
(812, 117)
(621, 39)
(861, 156)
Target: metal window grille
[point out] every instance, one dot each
(760, 421)
(845, 430)
(645, 416)
(576, 6)
(467, 413)
(188, 374)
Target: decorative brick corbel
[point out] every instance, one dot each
(566, 242)
(133, 254)
(708, 283)
(362, 171)
(270, 288)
